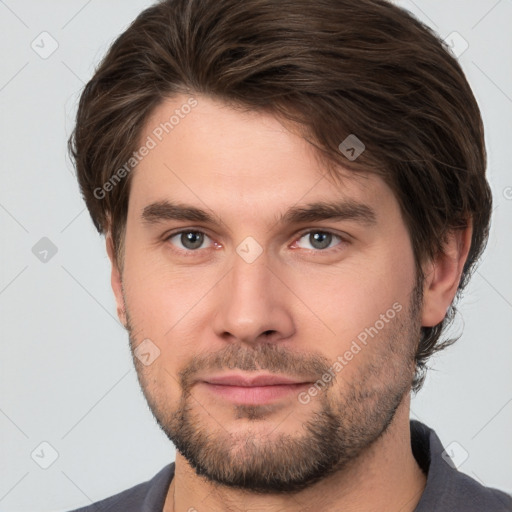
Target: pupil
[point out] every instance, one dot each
(192, 239)
(320, 240)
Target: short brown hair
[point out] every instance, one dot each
(335, 67)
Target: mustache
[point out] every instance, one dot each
(269, 356)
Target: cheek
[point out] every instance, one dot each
(161, 302)
(161, 308)
(354, 298)
(168, 305)
(157, 294)
(360, 295)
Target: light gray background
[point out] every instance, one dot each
(66, 373)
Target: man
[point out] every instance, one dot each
(293, 193)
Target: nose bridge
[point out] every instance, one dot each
(251, 282)
(252, 302)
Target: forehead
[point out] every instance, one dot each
(207, 153)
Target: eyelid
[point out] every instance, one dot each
(187, 229)
(305, 231)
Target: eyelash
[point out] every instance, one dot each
(190, 252)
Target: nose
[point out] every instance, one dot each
(254, 304)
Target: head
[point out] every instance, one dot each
(230, 118)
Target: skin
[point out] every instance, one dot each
(293, 310)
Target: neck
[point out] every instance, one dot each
(385, 478)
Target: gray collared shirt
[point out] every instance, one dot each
(447, 489)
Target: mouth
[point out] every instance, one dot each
(256, 390)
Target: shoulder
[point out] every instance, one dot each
(448, 489)
(148, 495)
(467, 489)
(461, 492)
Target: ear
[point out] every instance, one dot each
(115, 280)
(442, 276)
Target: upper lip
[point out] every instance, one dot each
(266, 379)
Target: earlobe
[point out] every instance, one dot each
(443, 274)
(116, 280)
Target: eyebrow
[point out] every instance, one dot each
(162, 211)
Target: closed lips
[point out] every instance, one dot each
(252, 381)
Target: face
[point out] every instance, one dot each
(244, 258)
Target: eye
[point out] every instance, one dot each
(319, 240)
(188, 240)
(191, 240)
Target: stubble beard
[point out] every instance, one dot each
(345, 419)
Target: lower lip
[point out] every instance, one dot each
(255, 394)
